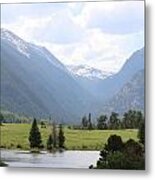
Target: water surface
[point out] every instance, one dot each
(66, 159)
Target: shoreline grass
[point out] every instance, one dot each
(15, 136)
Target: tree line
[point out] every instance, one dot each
(10, 117)
(130, 120)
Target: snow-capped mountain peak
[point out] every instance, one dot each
(88, 72)
(20, 44)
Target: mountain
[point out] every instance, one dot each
(110, 86)
(85, 71)
(36, 83)
(131, 96)
(106, 87)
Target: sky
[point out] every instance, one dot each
(99, 34)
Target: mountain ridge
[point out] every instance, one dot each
(48, 82)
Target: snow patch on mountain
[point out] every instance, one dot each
(26, 48)
(88, 72)
(20, 45)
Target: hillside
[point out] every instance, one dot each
(110, 86)
(35, 83)
(131, 96)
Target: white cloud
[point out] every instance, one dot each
(113, 17)
(97, 49)
(26, 27)
(58, 27)
(98, 34)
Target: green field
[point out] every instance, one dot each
(16, 135)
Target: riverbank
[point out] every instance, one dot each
(15, 136)
(2, 164)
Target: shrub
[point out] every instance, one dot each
(19, 146)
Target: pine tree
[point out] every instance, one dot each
(101, 122)
(84, 122)
(141, 133)
(114, 143)
(61, 137)
(54, 133)
(90, 126)
(50, 119)
(1, 118)
(35, 136)
(50, 142)
(114, 121)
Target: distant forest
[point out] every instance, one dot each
(130, 120)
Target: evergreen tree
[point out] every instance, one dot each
(43, 125)
(114, 144)
(125, 123)
(84, 122)
(61, 137)
(101, 122)
(1, 118)
(116, 160)
(54, 133)
(50, 120)
(134, 155)
(35, 136)
(114, 121)
(118, 155)
(50, 142)
(132, 119)
(90, 126)
(141, 133)
(139, 119)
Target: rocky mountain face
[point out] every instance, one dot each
(131, 96)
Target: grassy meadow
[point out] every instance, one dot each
(15, 136)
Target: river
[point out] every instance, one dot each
(66, 159)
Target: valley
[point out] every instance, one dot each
(35, 83)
